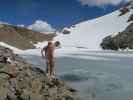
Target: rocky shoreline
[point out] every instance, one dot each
(20, 81)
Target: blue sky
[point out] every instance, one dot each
(57, 13)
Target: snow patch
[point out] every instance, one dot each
(15, 50)
(89, 34)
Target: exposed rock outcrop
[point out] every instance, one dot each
(125, 9)
(122, 40)
(20, 81)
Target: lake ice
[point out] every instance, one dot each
(97, 75)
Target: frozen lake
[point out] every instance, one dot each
(98, 75)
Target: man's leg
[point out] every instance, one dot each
(52, 68)
(47, 67)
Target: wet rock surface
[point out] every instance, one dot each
(20, 81)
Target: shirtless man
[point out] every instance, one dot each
(49, 57)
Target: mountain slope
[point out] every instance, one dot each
(89, 34)
(122, 40)
(21, 38)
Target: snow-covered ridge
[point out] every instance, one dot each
(89, 34)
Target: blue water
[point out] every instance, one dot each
(95, 79)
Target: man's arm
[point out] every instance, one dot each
(42, 53)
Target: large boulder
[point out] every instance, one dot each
(20, 81)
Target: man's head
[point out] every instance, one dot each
(57, 43)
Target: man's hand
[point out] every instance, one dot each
(42, 53)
